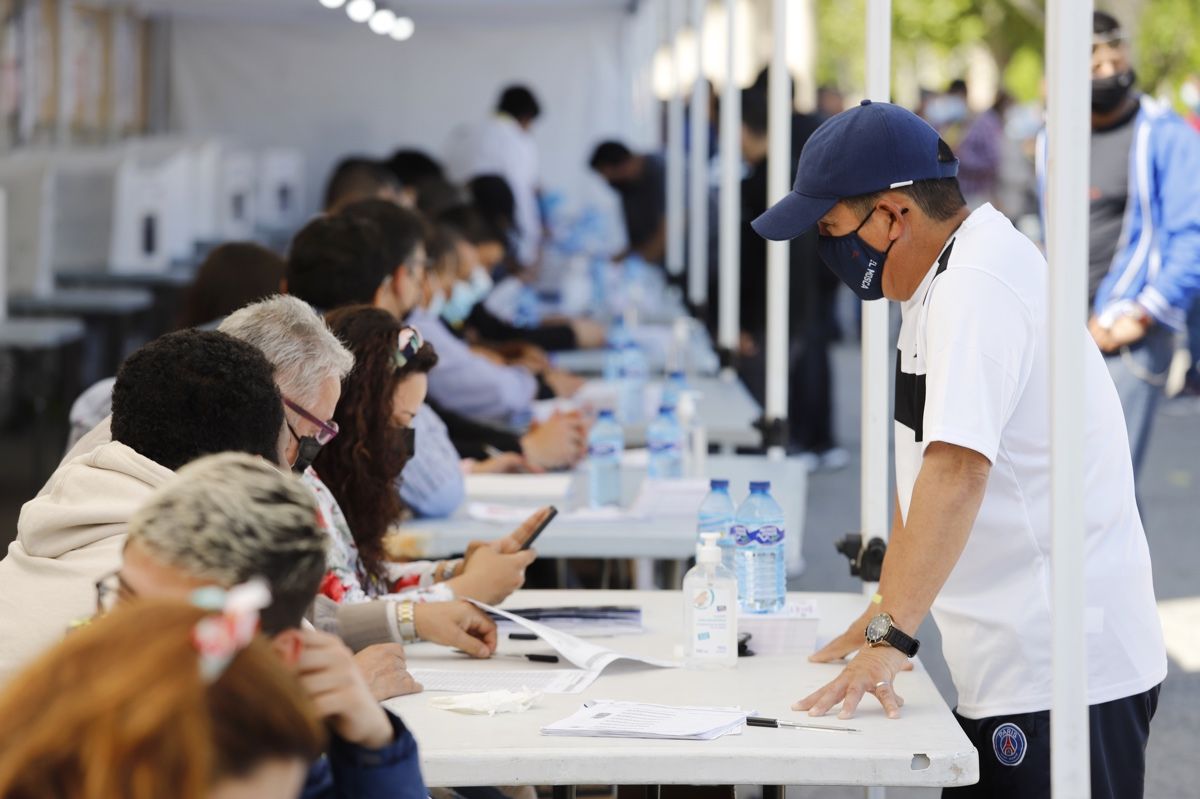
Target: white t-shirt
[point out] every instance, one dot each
(972, 371)
(500, 146)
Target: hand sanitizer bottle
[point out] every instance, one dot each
(710, 609)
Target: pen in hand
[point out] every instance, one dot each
(531, 658)
(758, 721)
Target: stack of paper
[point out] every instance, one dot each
(586, 622)
(609, 719)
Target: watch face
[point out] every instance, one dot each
(878, 627)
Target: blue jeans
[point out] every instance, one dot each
(1139, 372)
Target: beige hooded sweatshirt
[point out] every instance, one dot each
(68, 537)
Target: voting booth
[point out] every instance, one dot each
(223, 184)
(279, 187)
(151, 209)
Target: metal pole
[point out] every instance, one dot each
(779, 160)
(876, 499)
(1068, 53)
(675, 154)
(729, 284)
(698, 167)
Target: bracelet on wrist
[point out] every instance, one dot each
(407, 618)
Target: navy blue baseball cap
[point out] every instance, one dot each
(870, 148)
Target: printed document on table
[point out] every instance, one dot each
(609, 719)
(546, 681)
(584, 654)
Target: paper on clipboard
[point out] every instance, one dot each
(583, 654)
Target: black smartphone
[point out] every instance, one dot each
(549, 518)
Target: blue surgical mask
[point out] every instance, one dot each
(436, 303)
(856, 263)
(458, 307)
(482, 282)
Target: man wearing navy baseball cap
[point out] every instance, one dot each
(970, 537)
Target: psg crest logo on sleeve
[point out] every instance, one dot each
(1008, 742)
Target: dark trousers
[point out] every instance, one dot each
(1014, 751)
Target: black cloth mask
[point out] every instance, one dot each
(1108, 93)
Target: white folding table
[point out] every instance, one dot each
(924, 748)
(670, 538)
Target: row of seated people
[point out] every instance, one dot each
(278, 447)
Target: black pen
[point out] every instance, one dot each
(531, 658)
(522, 637)
(759, 721)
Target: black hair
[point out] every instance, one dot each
(939, 199)
(754, 111)
(194, 393)
(470, 224)
(231, 277)
(443, 246)
(401, 228)
(410, 166)
(957, 86)
(1104, 23)
(357, 178)
(435, 195)
(519, 103)
(338, 260)
(609, 153)
(494, 199)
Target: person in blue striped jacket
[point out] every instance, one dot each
(1144, 229)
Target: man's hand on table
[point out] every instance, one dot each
(458, 624)
(872, 671)
(385, 668)
(557, 443)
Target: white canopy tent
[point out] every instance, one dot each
(590, 61)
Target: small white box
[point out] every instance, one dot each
(791, 631)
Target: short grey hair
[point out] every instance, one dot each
(232, 516)
(296, 341)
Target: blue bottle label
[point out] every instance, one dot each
(767, 534)
(602, 449)
(740, 535)
(663, 447)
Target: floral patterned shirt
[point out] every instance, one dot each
(347, 579)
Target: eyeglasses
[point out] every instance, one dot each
(326, 431)
(110, 591)
(408, 344)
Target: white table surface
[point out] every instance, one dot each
(925, 747)
(671, 538)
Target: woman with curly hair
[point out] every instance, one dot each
(356, 473)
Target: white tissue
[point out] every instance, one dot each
(488, 703)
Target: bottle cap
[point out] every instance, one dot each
(605, 413)
(760, 486)
(707, 550)
(666, 410)
(718, 485)
(677, 374)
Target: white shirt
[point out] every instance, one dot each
(500, 146)
(972, 371)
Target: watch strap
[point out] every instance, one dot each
(901, 641)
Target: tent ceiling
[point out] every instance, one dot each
(310, 10)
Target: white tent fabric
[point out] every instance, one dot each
(332, 88)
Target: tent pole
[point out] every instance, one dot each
(779, 158)
(675, 154)
(876, 498)
(729, 282)
(698, 169)
(1068, 55)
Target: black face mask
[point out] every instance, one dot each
(1108, 93)
(308, 450)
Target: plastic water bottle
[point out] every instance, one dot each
(618, 337)
(758, 536)
(710, 609)
(716, 516)
(606, 441)
(528, 312)
(664, 439)
(631, 407)
(673, 388)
